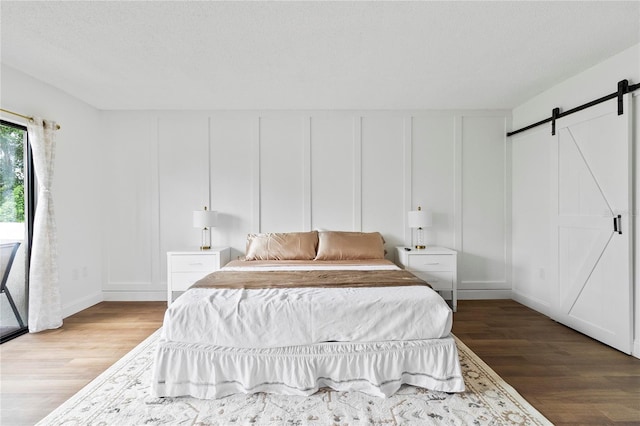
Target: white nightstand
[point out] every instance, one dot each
(186, 267)
(436, 265)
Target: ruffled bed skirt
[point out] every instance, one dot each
(377, 368)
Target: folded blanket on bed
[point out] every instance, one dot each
(290, 279)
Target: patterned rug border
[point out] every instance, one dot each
(57, 416)
(513, 393)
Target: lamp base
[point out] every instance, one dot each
(419, 247)
(205, 242)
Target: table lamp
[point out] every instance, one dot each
(205, 219)
(420, 219)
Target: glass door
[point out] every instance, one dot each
(16, 222)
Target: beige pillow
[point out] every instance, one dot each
(282, 246)
(336, 245)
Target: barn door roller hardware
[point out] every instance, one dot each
(617, 225)
(623, 88)
(554, 116)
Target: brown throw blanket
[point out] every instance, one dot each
(291, 279)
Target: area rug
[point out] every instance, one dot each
(120, 396)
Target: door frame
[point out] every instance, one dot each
(30, 200)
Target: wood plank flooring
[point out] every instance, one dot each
(570, 378)
(567, 376)
(40, 371)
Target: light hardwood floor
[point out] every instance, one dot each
(568, 377)
(40, 371)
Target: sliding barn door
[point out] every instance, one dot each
(592, 250)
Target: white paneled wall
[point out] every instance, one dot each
(233, 152)
(183, 179)
(434, 173)
(383, 189)
(483, 261)
(283, 173)
(335, 162)
(131, 164)
(300, 170)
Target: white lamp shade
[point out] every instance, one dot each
(205, 218)
(419, 219)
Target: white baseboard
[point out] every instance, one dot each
(531, 302)
(81, 304)
(635, 351)
(483, 294)
(134, 296)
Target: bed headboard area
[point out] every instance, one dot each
(283, 171)
(315, 245)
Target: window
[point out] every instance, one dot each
(17, 198)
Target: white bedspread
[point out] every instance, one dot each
(270, 318)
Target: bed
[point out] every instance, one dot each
(305, 311)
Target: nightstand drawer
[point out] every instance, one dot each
(180, 281)
(186, 267)
(438, 280)
(431, 262)
(193, 263)
(435, 265)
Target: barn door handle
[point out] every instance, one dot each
(616, 224)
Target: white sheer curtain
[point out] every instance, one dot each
(45, 308)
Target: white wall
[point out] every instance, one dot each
(77, 182)
(127, 181)
(300, 170)
(531, 173)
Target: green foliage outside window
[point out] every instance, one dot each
(11, 174)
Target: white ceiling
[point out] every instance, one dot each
(311, 55)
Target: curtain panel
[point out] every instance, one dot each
(45, 307)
